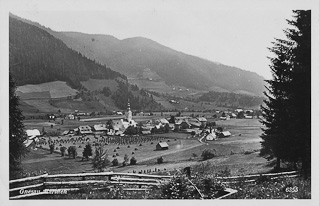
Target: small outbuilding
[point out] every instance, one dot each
(162, 146)
(225, 134)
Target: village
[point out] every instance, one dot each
(141, 137)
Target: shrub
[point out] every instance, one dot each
(72, 151)
(115, 162)
(208, 154)
(87, 151)
(63, 151)
(133, 161)
(193, 133)
(51, 146)
(160, 160)
(180, 187)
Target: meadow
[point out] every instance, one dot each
(239, 153)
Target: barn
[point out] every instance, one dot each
(225, 134)
(162, 146)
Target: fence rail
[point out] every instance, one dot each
(70, 182)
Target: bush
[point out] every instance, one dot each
(160, 160)
(51, 146)
(208, 154)
(133, 161)
(180, 187)
(115, 162)
(63, 151)
(72, 151)
(193, 133)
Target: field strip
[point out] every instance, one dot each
(172, 152)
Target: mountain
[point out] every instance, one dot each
(41, 64)
(35, 57)
(144, 59)
(137, 56)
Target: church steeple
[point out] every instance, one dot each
(129, 113)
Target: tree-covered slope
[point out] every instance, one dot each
(38, 57)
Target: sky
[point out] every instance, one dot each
(234, 33)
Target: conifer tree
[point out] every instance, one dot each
(287, 110)
(16, 133)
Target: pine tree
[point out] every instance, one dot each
(16, 133)
(87, 151)
(300, 98)
(287, 108)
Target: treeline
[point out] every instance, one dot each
(231, 99)
(36, 57)
(139, 99)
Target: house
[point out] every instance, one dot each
(225, 134)
(211, 137)
(70, 116)
(33, 138)
(85, 129)
(146, 131)
(100, 128)
(65, 132)
(31, 133)
(162, 146)
(182, 124)
(203, 120)
(238, 110)
(194, 123)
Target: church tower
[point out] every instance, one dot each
(129, 113)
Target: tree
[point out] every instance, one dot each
(125, 160)
(100, 160)
(51, 147)
(287, 110)
(16, 134)
(63, 151)
(133, 161)
(115, 162)
(72, 151)
(87, 151)
(208, 154)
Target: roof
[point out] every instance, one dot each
(33, 132)
(202, 119)
(65, 132)
(163, 144)
(100, 127)
(226, 133)
(164, 121)
(211, 136)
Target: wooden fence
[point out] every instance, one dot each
(49, 184)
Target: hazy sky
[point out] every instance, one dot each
(235, 33)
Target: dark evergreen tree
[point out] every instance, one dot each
(87, 151)
(287, 110)
(16, 134)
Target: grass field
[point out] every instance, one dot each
(238, 153)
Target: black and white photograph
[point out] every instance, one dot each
(160, 100)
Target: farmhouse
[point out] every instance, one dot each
(85, 129)
(225, 134)
(31, 133)
(32, 138)
(162, 146)
(211, 136)
(100, 128)
(203, 120)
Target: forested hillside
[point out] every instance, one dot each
(37, 57)
(231, 99)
